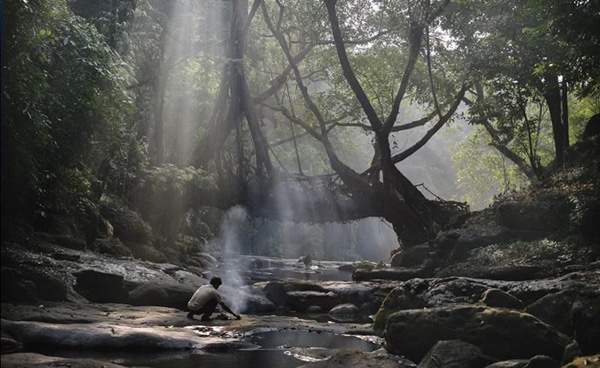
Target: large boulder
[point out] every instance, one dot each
(586, 323)
(174, 295)
(555, 309)
(500, 299)
(100, 287)
(500, 333)
(454, 354)
(411, 256)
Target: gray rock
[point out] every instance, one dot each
(114, 336)
(542, 361)
(500, 333)
(344, 313)
(586, 324)
(411, 256)
(500, 298)
(555, 309)
(174, 295)
(22, 360)
(9, 344)
(100, 287)
(454, 354)
(314, 309)
(300, 300)
(354, 358)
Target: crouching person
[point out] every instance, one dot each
(205, 300)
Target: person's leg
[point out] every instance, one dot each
(208, 309)
(191, 313)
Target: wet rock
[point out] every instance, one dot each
(300, 300)
(356, 359)
(411, 256)
(501, 299)
(344, 313)
(25, 360)
(500, 333)
(100, 287)
(454, 354)
(314, 309)
(174, 295)
(592, 361)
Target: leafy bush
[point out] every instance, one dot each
(128, 226)
(64, 108)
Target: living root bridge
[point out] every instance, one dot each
(322, 200)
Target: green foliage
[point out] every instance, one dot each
(64, 107)
(539, 252)
(171, 179)
(482, 172)
(128, 226)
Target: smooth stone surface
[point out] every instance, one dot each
(26, 360)
(344, 312)
(111, 336)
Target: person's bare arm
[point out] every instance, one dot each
(237, 316)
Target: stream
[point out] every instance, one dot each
(288, 347)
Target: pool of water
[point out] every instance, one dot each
(278, 349)
(304, 339)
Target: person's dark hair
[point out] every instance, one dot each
(216, 281)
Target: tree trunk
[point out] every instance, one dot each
(565, 110)
(553, 100)
(158, 109)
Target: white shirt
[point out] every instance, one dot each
(202, 296)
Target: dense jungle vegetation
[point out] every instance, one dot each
(141, 121)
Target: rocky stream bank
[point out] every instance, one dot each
(444, 304)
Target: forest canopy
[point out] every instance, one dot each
(297, 110)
